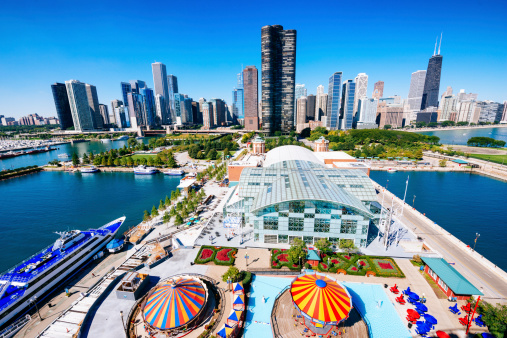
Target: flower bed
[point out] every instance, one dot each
(283, 257)
(386, 267)
(280, 258)
(218, 255)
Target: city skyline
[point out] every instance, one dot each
(59, 60)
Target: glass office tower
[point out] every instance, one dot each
(334, 101)
(347, 106)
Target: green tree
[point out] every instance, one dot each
(167, 201)
(154, 211)
(92, 157)
(442, 163)
(117, 162)
(347, 245)
(323, 245)
(178, 220)
(226, 153)
(166, 218)
(173, 212)
(171, 162)
(104, 161)
(75, 159)
(161, 205)
(146, 216)
(418, 154)
(297, 251)
(233, 272)
(129, 161)
(109, 161)
(85, 158)
(387, 126)
(495, 317)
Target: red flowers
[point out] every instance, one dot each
(206, 253)
(222, 255)
(275, 263)
(283, 257)
(354, 268)
(295, 265)
(324, 266)
(362, 263)
(335, 261)
(275, 251)
(385, 266)
(347, 256)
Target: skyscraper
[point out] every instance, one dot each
(172, 88)
(160, 108)
(334, 101)
(321, 108)
(78, 100)
(310, 107)
(347, 106)
(367, 113)
(301, 109)
(361, 89)
(149, 109)
(278, 50)
(432, 81)
(161, 88)
(113, 117)
(104, 113)
(207, 114)
(378, 90)
(137, 85)
(62, 105)
(416, 89)
(237, 104)
(219, 117)
(135, 110)
(320, 90)
(93, 102)
(251, 97)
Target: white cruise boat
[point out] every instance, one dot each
(89, 169)
(144, 170)
(391, 170)
(41, 273)
(174, 172)
(124, 137)
(63, 156)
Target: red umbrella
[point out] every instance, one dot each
(413, 313)
(442, 334)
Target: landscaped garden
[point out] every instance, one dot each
(217, 255)
(354, 264)
(280, 258)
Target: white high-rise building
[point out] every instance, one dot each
(416, 89)
(361, 89)
(321, 107)
(161, 88)
(447, 107)
(300, 91)
(79, 107)
(367, 113)
(320, 90)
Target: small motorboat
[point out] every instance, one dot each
(391, 170)
(89, 169)
(174, 172)
(144, 170)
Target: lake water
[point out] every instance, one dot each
(461, 136)
(33, 207)
(79, 148)
(461, 203)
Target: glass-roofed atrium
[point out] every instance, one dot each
(296, 196)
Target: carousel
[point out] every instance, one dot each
(175, 304)
(321, 301)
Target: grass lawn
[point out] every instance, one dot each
(146, 156)
(492, 158)
(439, 293)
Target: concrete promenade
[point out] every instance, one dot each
(477, 269)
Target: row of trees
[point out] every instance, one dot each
(209, 149)
(218, 171)
(297, 251)
(274, 142)
(479, 141)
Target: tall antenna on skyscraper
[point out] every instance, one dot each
(440, 44)
(435, 51)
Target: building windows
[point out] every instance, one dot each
(348, 226)
(283, 239)
(254, 183)
(334, 240)
(356, 186)
(431, 273)
(256, 224)
(308, 239)
(297, 206)
(283, 214)
(442, 284)
(347, 211)
(363, 243)
(291, 239)
(309, 215)
(322, 208)
(335, 216)
(364, 230)
(321, 225)
(272, 239)
(270, 223)
(296, 224)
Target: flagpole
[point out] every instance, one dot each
(404, 196)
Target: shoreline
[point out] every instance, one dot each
(420, 130)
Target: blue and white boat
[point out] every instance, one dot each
(39, 274)
(174, 172)
(89, 169)
(124, 137)
(115, 245)
(144, 170)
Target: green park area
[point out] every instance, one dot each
(143, 156)
(501, 159)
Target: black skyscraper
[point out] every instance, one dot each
(432, 82)
(62, 105)
(278, 51)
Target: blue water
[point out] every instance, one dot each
(79, 148)
(269, 287)
(461, 203)
(32, 207)
(377, 311)
(461, 136)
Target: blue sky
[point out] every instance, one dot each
(204, 44)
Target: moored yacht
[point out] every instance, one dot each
(89, 169)
(144, 170)
(174, 172)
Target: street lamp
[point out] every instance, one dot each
(477, 235)
(123, 324)
(34, 301)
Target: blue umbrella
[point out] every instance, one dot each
(413, 295)
(430, 319)
(421, 307)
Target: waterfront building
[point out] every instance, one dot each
(311, 101)
(121, 115)
(104, 113)
(172, 87)
(295, 196)
(187, 111)
(367, 113)
(428, 115)
(278, 50)
(113, 116)
(347, 105)
(390, 114)
(465, 111)
(219, 117)
(361, 81)
(135, 109)
(207, 115)
(179, 100)
(448, 108)
(161, 88)
(125, 89)
(321, 107)
(504, 115)
(251, 100)
(62, 105)
(432, 80)
(93, 102)
(78, 101)
(8, 121)
(490, 111)
(321, 145)
(416, 89)
(301, 113)
(137, 85)
(378, 90)
(149, 109)
(334, 101)
(462, 96)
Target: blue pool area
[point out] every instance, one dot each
(369, 299)
(258, 316)
(377, 310)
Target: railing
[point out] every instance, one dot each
(274, 322)
(15, 327)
